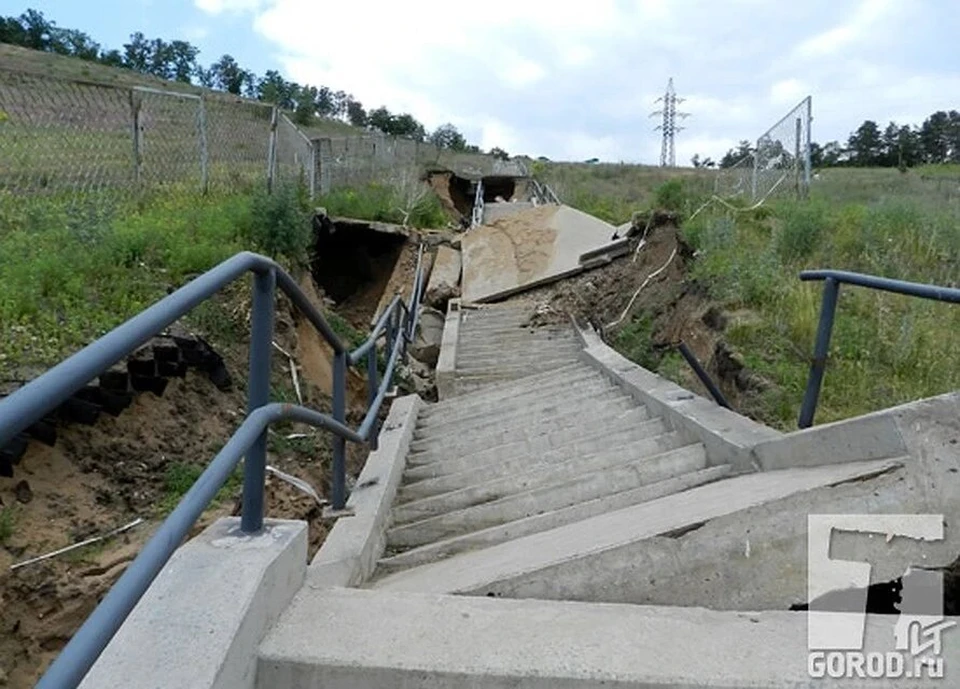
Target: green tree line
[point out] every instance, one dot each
(178, 60)
(937, 140)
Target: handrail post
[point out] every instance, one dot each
(339, 483)
(261, 338)
(373, 386)
(828, 308)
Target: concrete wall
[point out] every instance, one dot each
(447, 363)
(756, 559)
(350, 552)
(202, 619)
(728, 437)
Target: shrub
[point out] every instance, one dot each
(279, 224)
(799, 236)
(671, 195)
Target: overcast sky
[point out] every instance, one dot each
(572, 79)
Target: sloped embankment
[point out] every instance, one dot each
(645, 304)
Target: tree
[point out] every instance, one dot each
(112, 58)
(816, 155)
(74, 43)
(356, 115)
(407, 126)
(448, 136)
(37, 30)
(695, 160)
(229, 76)
(273, 88)
(136, 53)
(499, 153)
(735, 155)
(182, 59)
(866, 145)
(12, 31)
(306, 105)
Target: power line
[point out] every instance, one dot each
(669, 126)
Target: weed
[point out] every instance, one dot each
(179, 477)
(635, 341)
(8, 522)
(671, 195)
(385, 203)
(280, 224)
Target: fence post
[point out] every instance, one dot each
(828, 308)
(796, 157)
(204, 153)
(272, 150)
(135, 104)
(339, 487)
(258, 394)
(809, 138)
(314, 157)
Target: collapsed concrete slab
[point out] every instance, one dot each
(444, 282)
(529, 248)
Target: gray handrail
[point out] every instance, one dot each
(828, 308)
(37, 398)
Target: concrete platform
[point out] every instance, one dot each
(350, 639)
(529, 248)
(472, 572)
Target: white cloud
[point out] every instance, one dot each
(859, 26)
(579, 81)
(788, 92)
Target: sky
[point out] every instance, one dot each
(577, 80)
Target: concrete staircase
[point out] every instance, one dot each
(564, 519)
(498, 344)
(529, 456)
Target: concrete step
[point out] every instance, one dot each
(516, 360)
(471, 474)
(519, 336)
(568, 377)
(548, 509)
(492, 371)
(356, 638)
(475, 572)
(555, 413)
(587, 393)
(495, 347)
(549, 473)
(494, 317)
(627, 426)
(490, 333)
(518, 393)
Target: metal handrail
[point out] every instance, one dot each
(39, 397)
(831, 291)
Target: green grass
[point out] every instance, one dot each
(180, 477)
(886, 349)
(381, 202)
(8, 523)
(71, 272)
(613, 192)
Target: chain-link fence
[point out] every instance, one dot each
(780, 160)
(71, 138)
(350, 161)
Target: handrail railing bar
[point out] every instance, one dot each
(912, 289)
(357, 354)
(828, 307)
(370, 419)
(86, 645)
(52, 388)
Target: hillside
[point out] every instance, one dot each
(41, 64)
